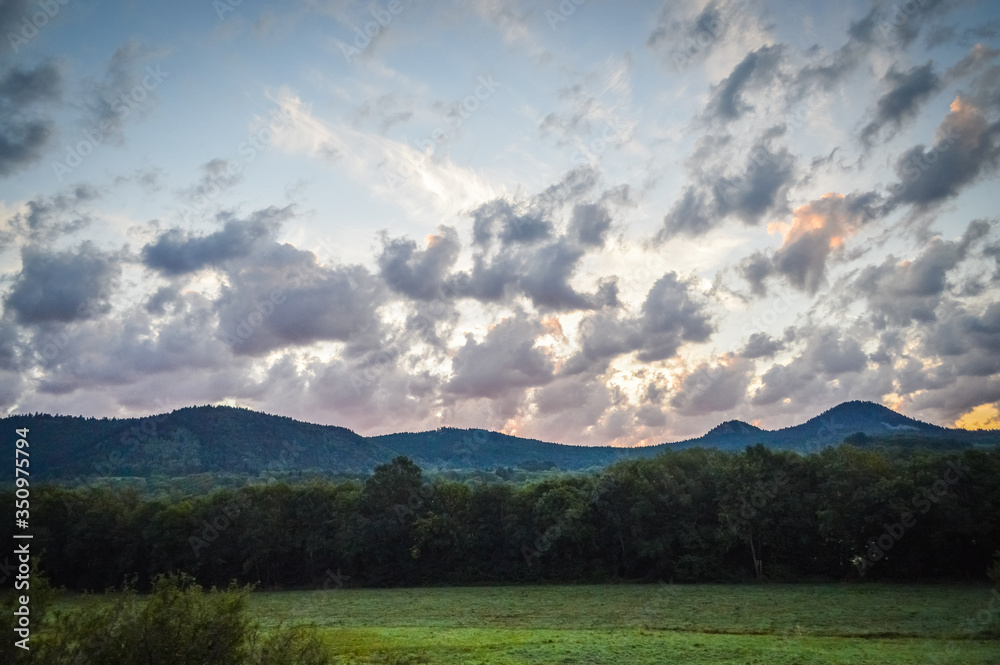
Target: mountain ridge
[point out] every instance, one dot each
(223, 439)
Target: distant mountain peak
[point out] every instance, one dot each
(734, 427)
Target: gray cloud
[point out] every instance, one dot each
(63, 286)
(506, 360)
(966, 147)
(749, 195)
(761, 345)
(23, 134)
(669, 317)
(282, 298)
(899, 293)
(754, 72)
(819, 230)
(904, 92)
(710, 388)
(176, 252)
(419, 274)
(530, 258)
(110, 100)
(755, 269)
(828, 354)
(590, 224)
(49, 217)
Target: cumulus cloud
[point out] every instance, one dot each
(761, 345)
(668, 318)
(507, 359)
(419, 274)
(177, 252)
(285, 300)
(521, 249)
(818, 229)
(63, 286)
(902, 292)
(710, 388)
(827, 354)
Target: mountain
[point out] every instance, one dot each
(832, 427)
(215, 439)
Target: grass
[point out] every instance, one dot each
(639, 624)
(645, 623)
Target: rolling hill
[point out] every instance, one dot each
(213, 439)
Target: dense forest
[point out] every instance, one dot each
(844, 513)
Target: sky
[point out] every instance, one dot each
(584, 222)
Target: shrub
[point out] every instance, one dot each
(179, 624)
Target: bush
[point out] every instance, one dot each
(179, 624)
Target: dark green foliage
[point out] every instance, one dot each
(846, 513)
(178, 624)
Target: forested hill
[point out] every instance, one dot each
(234, 440)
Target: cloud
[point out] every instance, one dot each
(756, 191)
(710, 388)
(966, 148)
(63, 286)
(49, 218)
(828, 354)
(904, 92)
(668, 318)
(692, 37)
(23, 134)
(755, 71)
(818, 230)
(506, 360)
(177, 252)
(901, 292)
(282, 298)
(761, 345)
(500, 219)
(111, 99)
(520, 250)
(419, 274)
(755, 269)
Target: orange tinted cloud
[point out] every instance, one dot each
(826, 217)
(984, 416)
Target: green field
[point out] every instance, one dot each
(849, 623)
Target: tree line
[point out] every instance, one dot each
(845, 513)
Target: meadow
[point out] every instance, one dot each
(655, 623)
